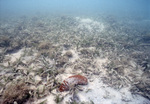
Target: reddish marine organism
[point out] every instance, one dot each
(72, 81)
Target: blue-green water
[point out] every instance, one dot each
(137, 8)
(43, 40)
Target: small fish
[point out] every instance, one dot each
(72, 81)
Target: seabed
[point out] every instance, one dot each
(38, 52)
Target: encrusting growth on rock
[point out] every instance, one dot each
(72, 81)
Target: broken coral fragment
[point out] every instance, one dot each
(72, 81)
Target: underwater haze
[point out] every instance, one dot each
(115, 7)
(74, 51)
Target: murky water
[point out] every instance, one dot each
(43, 42)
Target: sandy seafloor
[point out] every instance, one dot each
(41, 51)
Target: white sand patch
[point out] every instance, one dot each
(62, 77)
(92, 48)
(68, 70)
(50, 100)
(37, 78)
(101, 63)
(99, 93)
(90, 24)
(75, 56)
(6, 64)
(27, 59)
(17, 55)
(11, 58)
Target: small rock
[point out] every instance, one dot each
(68, 54)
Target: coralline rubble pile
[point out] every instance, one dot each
(47, 60)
